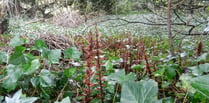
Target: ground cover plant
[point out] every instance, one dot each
(102, 68)
(105, 51)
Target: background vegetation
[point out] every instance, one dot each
(104, 51)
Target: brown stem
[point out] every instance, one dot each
(147, 66)
(99, 66)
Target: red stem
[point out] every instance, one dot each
(99, 66)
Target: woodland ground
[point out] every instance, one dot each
(134, 58)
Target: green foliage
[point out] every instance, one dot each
(13, 74)
(167, 71)
(200, 84)
(19, 57)
(65, 100)
(19, 98)
(124, 7)
(139, 66)
(52, 56)
(69, 72)
(16, 41)
(167, 100)
(40, 45)
(200, 69)
(144, 91)
(44, 79)
(120, 77)
(72, 53)
(3, 57)
(31, 67)
(196, 82)
(52, 74)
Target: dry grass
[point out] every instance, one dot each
(68, 18)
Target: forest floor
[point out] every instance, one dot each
(124, 53)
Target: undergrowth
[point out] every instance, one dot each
(105, 69)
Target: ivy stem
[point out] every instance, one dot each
(117, 86)
(62, 92)
(185, 97)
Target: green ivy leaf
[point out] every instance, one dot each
(72, 53)
(108, 65)
(144, 91)
(139, 66)
(31, 67)
(45, 52)
(120, 77)
(200, 69)
(53, 56)
(160, 72)
(16, 41)
(65, 100)
(19, 57)
(3, 57)
(1, 98)
(17, 98)
(40, 44)
(69, 72)
(200, 84)
(171, 73)
(44, 79)
(35, 82)
(202, 57)
(13, 73)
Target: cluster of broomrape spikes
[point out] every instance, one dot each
(129, 57)
(93, 60)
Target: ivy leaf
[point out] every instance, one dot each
(200, 84)
(31, 67)
(144, 91)
(65, 100)
(13, 73)
(139, 66)
(108, 65)
(202, 57)
(1, 98)
(40, 45)
(16, 41)
(3, 57)
(44, 79)
(53, 56)
(120, 77)
(72, 53)
(19, 57)
(45, 52)
(170, 72)
(69, 72)
(15, 98)
(200, 69)
(35, 82)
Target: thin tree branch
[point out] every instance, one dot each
(146, 23)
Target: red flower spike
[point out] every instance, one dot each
(93, 50)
